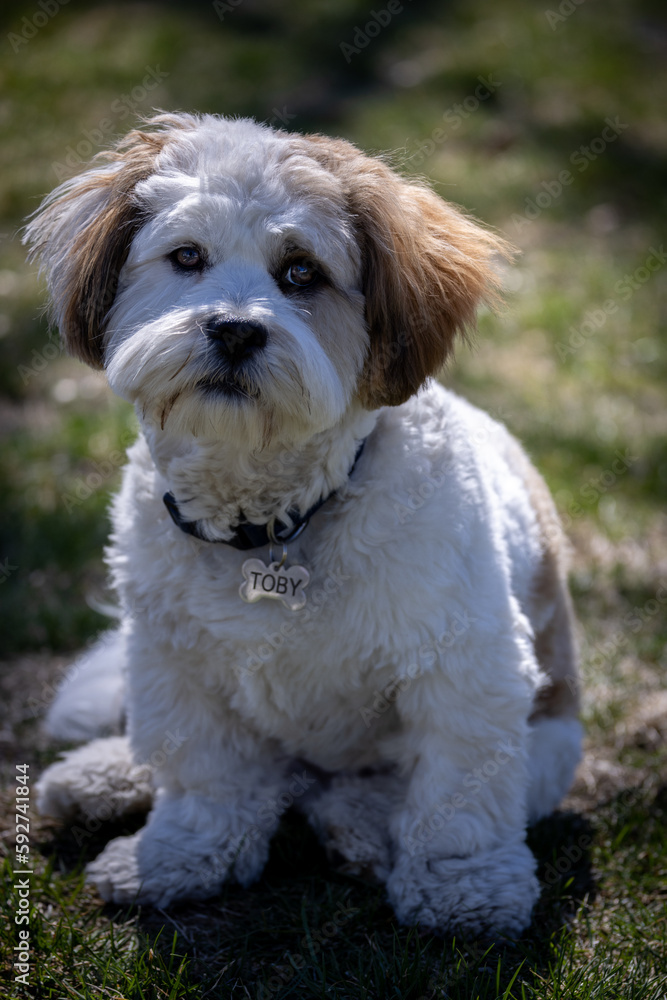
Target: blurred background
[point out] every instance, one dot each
(547, 122)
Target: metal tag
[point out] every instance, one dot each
(277, 581)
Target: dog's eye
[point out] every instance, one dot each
(188, 258)
(301, 274)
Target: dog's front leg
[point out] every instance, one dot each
(215, 809)
(190, 845)
(460, 857)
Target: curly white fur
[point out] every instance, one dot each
(408, 708)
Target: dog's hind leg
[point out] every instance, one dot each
(99, 781)
(554, 747)
(91, 700)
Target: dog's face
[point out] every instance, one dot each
(244, 283)
(239, 308)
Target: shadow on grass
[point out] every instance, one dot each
(305, 929)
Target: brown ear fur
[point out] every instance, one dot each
(101, 249)
(426, 270)
(82, 234)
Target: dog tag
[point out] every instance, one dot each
(282, 583)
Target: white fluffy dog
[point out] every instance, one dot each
(342, 586)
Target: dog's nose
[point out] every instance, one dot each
(237, 339)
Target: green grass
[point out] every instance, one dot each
(576, 395)
(308, 932)
(55, 522)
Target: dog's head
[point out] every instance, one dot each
(237, 280)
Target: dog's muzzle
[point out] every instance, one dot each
(236, 340)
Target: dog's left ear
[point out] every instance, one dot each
(81, 235)
(426, 269)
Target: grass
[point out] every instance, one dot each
(575, 366)
(297, 934)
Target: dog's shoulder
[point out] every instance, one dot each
(447, 482)
(439, 447)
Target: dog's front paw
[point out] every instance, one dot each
(161, 867)
(116, 873)
(488, 894)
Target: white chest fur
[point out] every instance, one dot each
(420, 535)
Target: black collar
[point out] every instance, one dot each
(254, 536)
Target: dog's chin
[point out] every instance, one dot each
(238, 411)
(219, 408)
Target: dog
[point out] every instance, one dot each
(342, 587)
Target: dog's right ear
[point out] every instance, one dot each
(81, 234)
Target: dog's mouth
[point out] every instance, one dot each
(229, 386)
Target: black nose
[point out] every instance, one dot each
(237, 339)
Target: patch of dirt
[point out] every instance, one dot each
(27, 687)
(628, 759)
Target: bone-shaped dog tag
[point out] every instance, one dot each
(282, 583)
